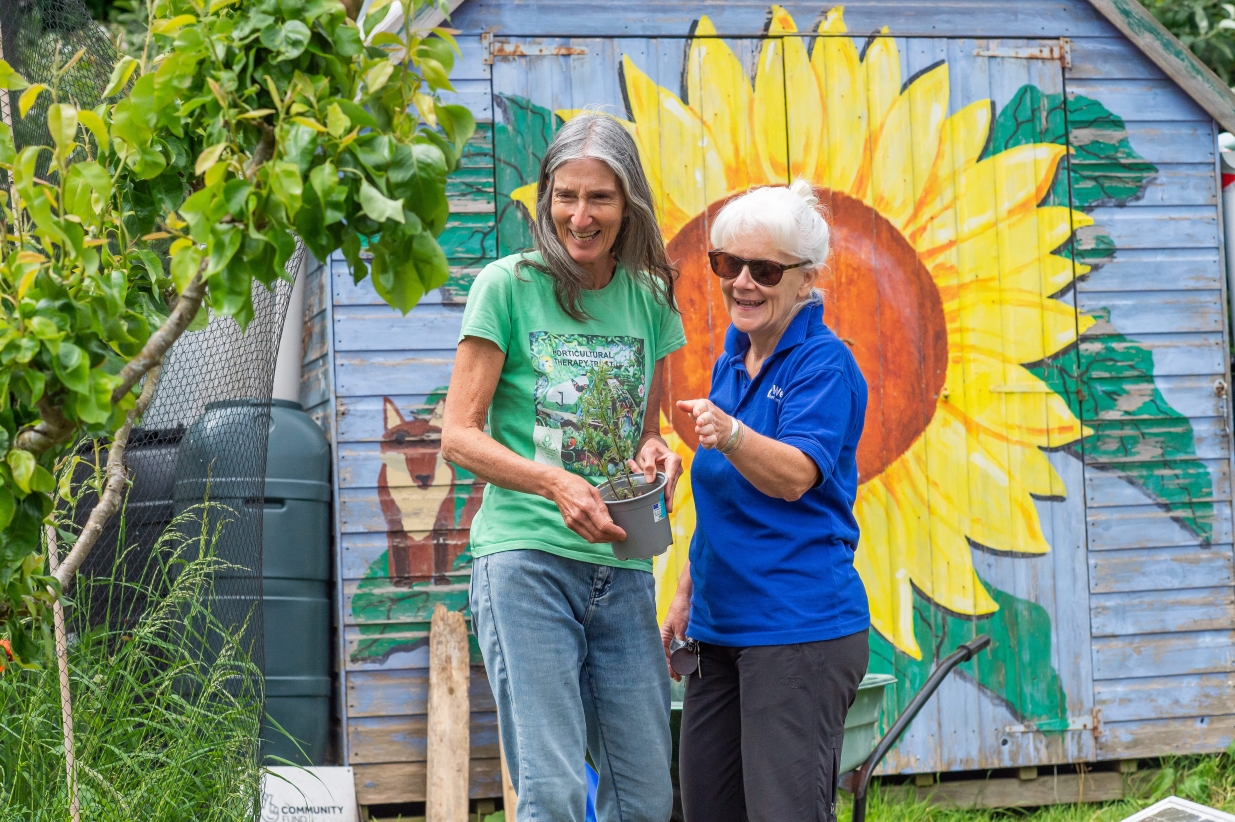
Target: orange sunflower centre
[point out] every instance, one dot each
(880, 299)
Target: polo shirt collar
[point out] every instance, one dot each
(809, 316)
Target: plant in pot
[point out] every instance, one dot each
(637, 506)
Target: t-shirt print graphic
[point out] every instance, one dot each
(564, 364)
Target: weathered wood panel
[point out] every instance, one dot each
(1211, 437)
(1171, 141)
(405, 782)
(381, 328)
(1158, 737)
(1140, 99)
(1142, 569)
(1110, 58)
(406, 692)
(1173, 354)
(1154, 655)
(1137, 269)
(378, 739)
(1154, 312)
(400, 372)
(1103, 488)
(1127, 700)
(1157, 226)
(1162, 612)
(412, 604)
(1149, 526)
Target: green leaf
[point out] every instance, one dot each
(395, 280)
(437, 49)
(417, 173)
(227, 239)
(21, 464)
(347, 41)
(435, 74)
(185, 264)
(10, 79)
(459, 125)
(208, 157)
(28, 97)
(286, 184)
(236, 192)
(120, 75)
(295, 39)
(72, 366)
(42, 481)
(337, 123)
(377, 206)
(62, 123)
(431, 263)
(379, 75)
(8, 506)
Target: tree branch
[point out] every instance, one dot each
(113, 490)
(263, 152)
(160, 341)
(53, 429)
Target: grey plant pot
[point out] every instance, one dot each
(644, 518)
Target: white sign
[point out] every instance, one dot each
(1174, 809)
(292, 794)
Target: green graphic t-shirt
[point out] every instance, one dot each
(549, 358)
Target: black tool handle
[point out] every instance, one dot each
(964, 653)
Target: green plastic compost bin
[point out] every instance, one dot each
(296, 586)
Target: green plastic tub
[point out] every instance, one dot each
(861, 725)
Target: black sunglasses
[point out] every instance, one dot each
(765, 272)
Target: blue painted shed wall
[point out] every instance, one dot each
(1143, 612)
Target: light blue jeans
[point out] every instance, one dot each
(576, 665)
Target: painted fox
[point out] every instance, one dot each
(417, 490)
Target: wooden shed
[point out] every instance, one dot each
(1029, 268)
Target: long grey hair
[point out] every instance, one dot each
(638, 245)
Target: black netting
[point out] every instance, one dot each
(205, 434)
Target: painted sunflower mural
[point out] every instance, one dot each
(959, 230)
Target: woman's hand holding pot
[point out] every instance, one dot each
(712, 425)
(654, 455)
(675, 623)
(583, 510)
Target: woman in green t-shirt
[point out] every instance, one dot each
(568, 631)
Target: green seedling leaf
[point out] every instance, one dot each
(62, 123)
(10, 79)
(26, 101)
(21, 464)
(120, 75)
(377, 206)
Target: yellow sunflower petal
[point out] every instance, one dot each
(769, 118)
(667, 567)
(907, 145)
(677, 151)
(1008, 324)
(880, 562)
(842, 83)
(882, 65)
(526, 195)
(1002, 512)
(719, 91)
(962, 140)
(1009, 401)
(1009, 183)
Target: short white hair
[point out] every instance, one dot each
(788, 215)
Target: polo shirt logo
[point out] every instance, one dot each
(776, 394)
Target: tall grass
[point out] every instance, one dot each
(167, 708)
(1209, 780)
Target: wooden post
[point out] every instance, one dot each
(509, 800)
(62, 662)
(446, 791)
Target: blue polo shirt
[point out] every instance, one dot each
(767, 571)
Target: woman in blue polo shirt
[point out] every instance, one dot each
(770, 592)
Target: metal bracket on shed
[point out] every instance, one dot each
(502, 48)
(1061, 51)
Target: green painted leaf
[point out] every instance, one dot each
(520, 139)
(1016, 668)
(1108, 381)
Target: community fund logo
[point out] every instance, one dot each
(308, 795)
(275, 810)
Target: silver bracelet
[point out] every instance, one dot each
(735, 436)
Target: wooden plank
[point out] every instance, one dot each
(1136, 226)
(1175, 184)
(448, 731)
(405, 692)
(1210, 438)
(537, 19)
(391, 783)
(1153, 312)
(1171, 141)
(314, 342)
(315, 383)
(362, 418)
(1100, 786)
(1135, 100)
(474, 94)
(400, 603)
(1163, 737)
(347, 292)
(1142, 269)
(381, 328)
(1151, 526)
(1174, 354)
(398, 372)
(1176, 61)
(391, 647)
(1147, 569)
(1105, 488)
(1163, 654)
(359, 550)
(1159, 612)
(1110, 57)
(359, 464)
(1168, 697)
(377, 739)
(1191, 396)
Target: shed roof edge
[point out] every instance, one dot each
(1172, 56)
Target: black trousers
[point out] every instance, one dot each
(762, 729)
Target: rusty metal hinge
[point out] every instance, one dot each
(1061, 51)
(502, 48)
